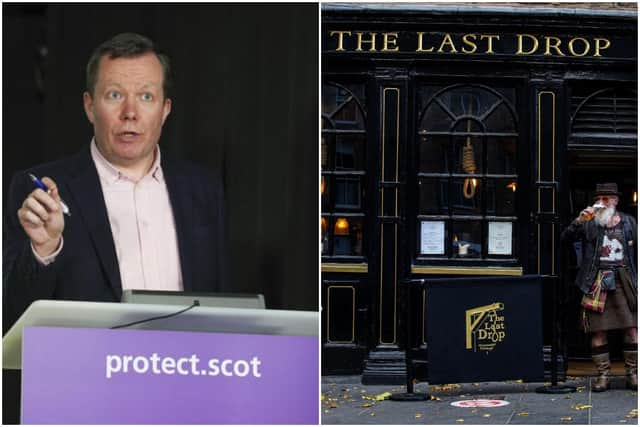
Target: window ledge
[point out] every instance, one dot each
(478, 271)
(345, 268)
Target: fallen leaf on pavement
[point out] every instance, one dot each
(486, 415)
(580, 389)
(445, 387)
(460, 420)
(524, 414)
(566, 419)
(367, 405)
(333, 405)
(581, 407)
(419, 415)
(322, 396)
(383, 396)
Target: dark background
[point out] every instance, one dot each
(245, 101)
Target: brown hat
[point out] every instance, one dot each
(607, 189)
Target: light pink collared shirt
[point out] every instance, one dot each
(142, 225)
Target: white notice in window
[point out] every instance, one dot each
(500, 238)
(432, 238)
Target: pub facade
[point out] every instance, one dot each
(458, 141)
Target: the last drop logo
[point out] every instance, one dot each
(485, 327)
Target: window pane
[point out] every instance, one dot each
(324, 227)
(350, 152)
(324, 152)
(501, 156)
(347, 193)
(501, 197)
(434, 154)
(347, 236)
(349, 116)
(435, 119)
(325, 191)
(342, 107)
(467, 155)
(467, 196)
(332, 96)
(468, 125)
(469, 101)
(500, 120)
(434, 196)
(466, 239)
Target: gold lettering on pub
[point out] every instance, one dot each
(466, 44)
(484, 327)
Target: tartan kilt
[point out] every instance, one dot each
(620, 308)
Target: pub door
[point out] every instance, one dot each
(586, 169)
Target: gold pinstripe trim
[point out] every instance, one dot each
(353, 314)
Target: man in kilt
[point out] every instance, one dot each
(608, 280)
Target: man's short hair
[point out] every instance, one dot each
(127, 45)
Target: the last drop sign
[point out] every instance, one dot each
(484, 329)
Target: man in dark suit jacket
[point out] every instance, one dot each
(83, 256)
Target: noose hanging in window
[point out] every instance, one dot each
(469, 166)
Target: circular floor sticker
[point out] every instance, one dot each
(479, 403)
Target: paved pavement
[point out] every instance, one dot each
(346, 401)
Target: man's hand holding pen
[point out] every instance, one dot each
(42, 219)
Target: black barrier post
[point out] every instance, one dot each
(554, 388)
(410, 395)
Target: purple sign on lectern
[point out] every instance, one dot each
(102, 376)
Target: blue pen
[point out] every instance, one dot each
(40, 185)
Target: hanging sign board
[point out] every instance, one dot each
(484, 329)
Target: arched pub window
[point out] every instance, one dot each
(343, 170)
(467, 177)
